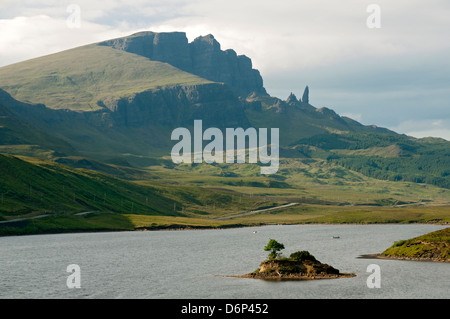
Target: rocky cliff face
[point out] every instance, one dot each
(170, 106)
(203, 57)
(210, 62)
(172, 48)
(176, 106)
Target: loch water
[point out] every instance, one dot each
(199, 263)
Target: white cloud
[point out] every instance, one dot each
(277, 36)
(442, 133)
(28, 37)
(306, 34)
(323, 43)
(425, 128)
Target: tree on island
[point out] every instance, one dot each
(274, 247)
(302, 256)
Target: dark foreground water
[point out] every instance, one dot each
(196, 263)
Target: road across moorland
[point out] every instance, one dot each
(256, 211)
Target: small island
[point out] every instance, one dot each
(300, 265)
(434, 246)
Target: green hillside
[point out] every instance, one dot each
(384, 156)
(82, 78)
(32, 186)
(431, 246)
(77, 199)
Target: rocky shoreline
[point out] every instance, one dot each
(288, 269)
(283, 277)
(381, 256)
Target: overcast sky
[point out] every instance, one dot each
(395, 76)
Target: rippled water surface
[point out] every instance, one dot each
(196, 263)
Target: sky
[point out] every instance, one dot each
(379, 62)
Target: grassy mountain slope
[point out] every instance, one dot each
(79, 78)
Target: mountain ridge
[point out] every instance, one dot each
(203, 57)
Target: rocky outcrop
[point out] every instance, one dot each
(305, 97)
(292, 269)
(292, 99)
(210, 62)
(307, 267)
(203, 57)
(290, 104)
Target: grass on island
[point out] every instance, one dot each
(434, 245)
